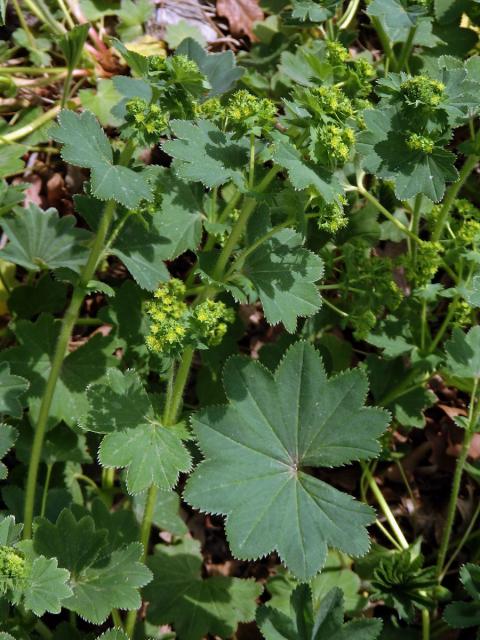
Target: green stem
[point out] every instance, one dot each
(463, 540)
(66, 13)
(349, 15)
(43, 13)
(31, 126)
(68, 323)
(117, 620)
(457, 479)
(406, 49)
(387, 512)
(397, 223)
(415, 224)
(445, 324)
(425, 624)
(32, 71)
(66, 88)
(239, 227)
(452, 193)
(179, 385)
(251, 170)
(384, 41)
(24, 25)
(45, 489)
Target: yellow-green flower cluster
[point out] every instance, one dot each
(148, 119)
(364, 69)
(168, 319)
(174, 325)
(469, 232)
(245, 112)
(417, 142)
(332, 143)
(332, 217)
(463, 314)
(12, 567)
(333, 102)
(427, 262)
(337, 54)
(211, 109)
(423, 90)
(210, 321)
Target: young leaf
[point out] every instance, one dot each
(384, 147)
(284, 275)
(42, 240)
(306, 624)
(113, 585)
(86, 145)
(303, 174)
(72, 43)
(75, 544)
(259, 447)
(461, 615)
(11, 389)
(32, 360)
(8, 435)
(463, 353)
(46, 587)
(205, 154)
(313, 10)
(178, 594)
(220, 68)
(153, 454)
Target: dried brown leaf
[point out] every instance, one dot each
(241, 14)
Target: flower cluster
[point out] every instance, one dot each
(417, 142)
(331, 144)
(332, 217)
(423, 90)
(332, 101)
(210, 321)
(336, 53)
(245, 112)
(420, 271)
(12, 567)
(174, 325)
(149, 120)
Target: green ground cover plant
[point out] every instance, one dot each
(239, 297)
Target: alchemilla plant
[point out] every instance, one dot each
(239, 297)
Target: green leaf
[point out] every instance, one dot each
(384, 147)
(408, 406)
(72, 43)
(11, 388)
(46, 295)
(306, 624)
(86, 145)
(399, 17)
(259, 448)
(220, 68)
(9, 531)
(101, 100)
(8, 435)
(461, 615)
(205, 154)
(303, 174)
(166, 514)
(113, 585)
(42, 240)
(153, 454)
(45, 587)
(463, 353)
(32, 359)
(195, 606)
(75, 544)
(11, 159)
(113, 634)
(142, 249)
(3, 12)
(314, 10)
(284, 275)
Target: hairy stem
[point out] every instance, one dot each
(452, 192)
(31, 126)
(425, 624)
(406, 49)
(457, 478)
(68, 323)
(382, 503)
